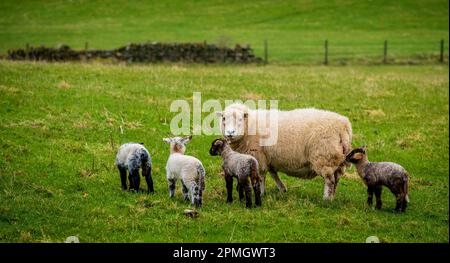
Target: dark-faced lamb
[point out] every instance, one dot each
(187, 168)
(242, 166)
(131, 157)
(377, 174)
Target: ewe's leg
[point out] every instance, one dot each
(378, 190)
(325, 163)
(278, 181)
(328, 193)
(370, 190)
(263, 183)
(172, 183)
(123, 176)
(337, 175)
(185, 191)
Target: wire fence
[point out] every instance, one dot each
(327, 52)
(351, 52)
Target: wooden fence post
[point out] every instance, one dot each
(326, 52)
(27, 51)
(385, 52)
(266, 52)
(205, 48)
(441, 57)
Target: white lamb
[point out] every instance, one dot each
(187, 168)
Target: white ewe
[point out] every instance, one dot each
(310, 142)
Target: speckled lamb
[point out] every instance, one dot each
(377, 174)
(132, 156)
(242, 166)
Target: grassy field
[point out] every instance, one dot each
(60, 129)
(296, 30)
(61, 124)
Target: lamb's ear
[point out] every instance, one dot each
(186, 139)
(219, 114)
(168, 140)
(358, 156)
(245, 114)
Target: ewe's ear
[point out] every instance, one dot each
(168, 140)
(245, 114)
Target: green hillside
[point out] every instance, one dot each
(295, 30)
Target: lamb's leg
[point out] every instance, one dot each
(257, 190)
(398, 203)
(147, 172)
(378, 190)
(398, 189)
(278, 181)
(370, 190)
(185, 191)
(240, 189)
(172, 183)
(201, 189)
(123, 176)
(405, 204)
(134, 179)
(229, 185)
(248, 192)
(401, 202)
(195, 190)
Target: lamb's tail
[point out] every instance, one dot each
(405, 188)
(255, 172)
(201, 174)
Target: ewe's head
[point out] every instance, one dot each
(217, 147)
(233, 121)
(357, 155)
(178, 144)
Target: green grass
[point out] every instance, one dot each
(57, 174)
(296, 30)
(60, 124)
